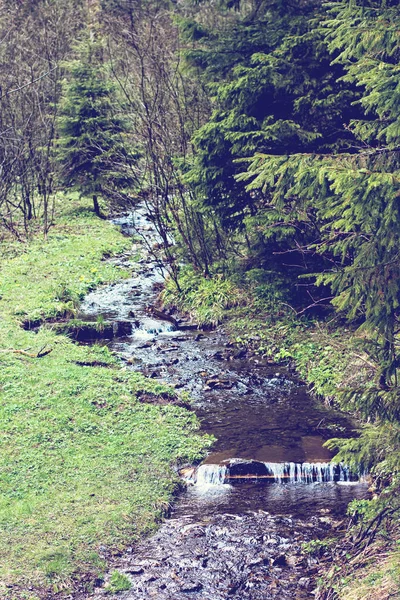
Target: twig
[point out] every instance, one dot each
(42, 352)
(29, 83)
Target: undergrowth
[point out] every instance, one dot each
(205, 300)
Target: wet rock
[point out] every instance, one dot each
(191, 586)
(132, 360)
(271, 541)
(134, 570)
(304, 582)
(148, 344)
(219, 384)
(83, 331)
(292, 561)
(247, 468)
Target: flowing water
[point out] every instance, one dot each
(267, 486)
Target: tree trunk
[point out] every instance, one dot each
(96, 207)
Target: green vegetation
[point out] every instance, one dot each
(205, 300)
(93, 148)
(264, 140)
(379, 582)
(85, 468)
(118, 583)
(44, 280)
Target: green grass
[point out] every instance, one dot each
(378, 580)
(118, 582)
(48, 279)
(205, 300)
(85, 469)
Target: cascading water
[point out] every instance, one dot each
(211, 475)
(238, 531)
(288, 472)
(308, 472)
(154, 327)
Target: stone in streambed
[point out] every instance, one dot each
(188, 587)
(146, 345)
(219, 384)
(247, 468)
(134, 570)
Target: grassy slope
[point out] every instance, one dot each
(84, 467)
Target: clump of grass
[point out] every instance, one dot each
(119, 582)
(205, 299)
(83, 463)
(378, 580)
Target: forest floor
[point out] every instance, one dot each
(85, 468)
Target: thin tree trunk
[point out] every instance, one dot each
(96, 207)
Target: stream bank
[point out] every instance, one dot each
(266, 488)
(74, 431)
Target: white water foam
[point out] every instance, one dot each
(290, 472)
(308, 472)
(210, 475)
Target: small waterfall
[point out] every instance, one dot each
(289, 472)
(154, 327)
(308, 472)
(160, 329)
(210, 475)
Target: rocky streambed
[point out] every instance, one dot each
(266, 488)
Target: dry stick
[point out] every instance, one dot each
(28, 84)
(42, 352)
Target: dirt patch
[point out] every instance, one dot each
(164, 399)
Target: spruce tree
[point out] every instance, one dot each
(95, 153)
(354, 195)
(273, 90)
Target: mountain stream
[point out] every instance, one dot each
(267, 486)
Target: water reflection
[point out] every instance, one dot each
(294, 499)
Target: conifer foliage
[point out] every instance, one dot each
(355, 193)
(95, 153)
(273, 91)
